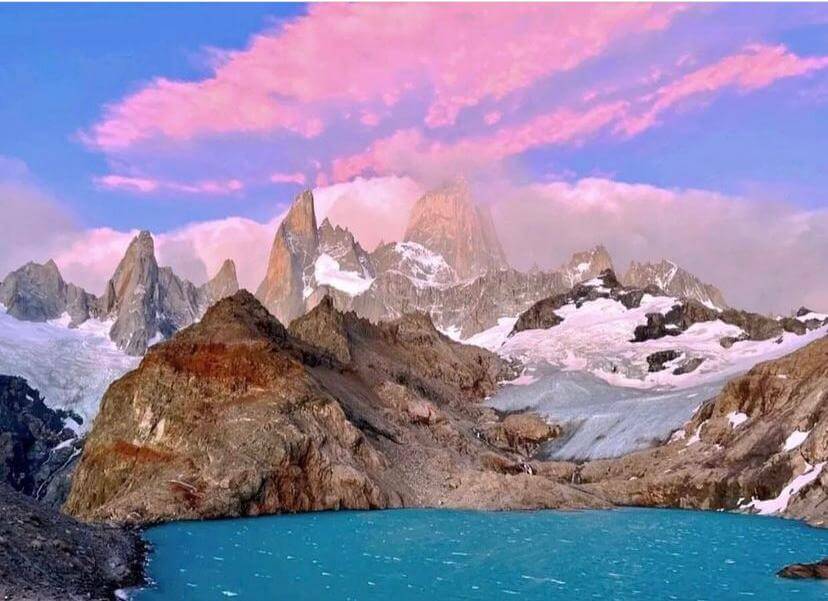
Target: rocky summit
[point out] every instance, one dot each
(447, 221)
(294, 251)
(237, 415)
(673, 280)
(449, 265)
(38, 292)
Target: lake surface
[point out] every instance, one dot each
(444, 554)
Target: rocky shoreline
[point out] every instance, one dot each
(45, 555)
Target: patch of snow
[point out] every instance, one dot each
(696, 435)
(452, 332)
(424, 267)
(796, 438)
(71, 367)
(780, 503)
(736, 419)
(327, 272)
(495, 336)
(813, 315)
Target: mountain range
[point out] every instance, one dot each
(450, 264)
(144, 302)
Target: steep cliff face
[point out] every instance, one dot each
(674, 281)
(38, 292)
(448, 222)
(224, 283)
(759, 446)
(145, 301)
(34, 439)
(149, 303)
(289, 269)
(339, 244)
(237, 416)
(586, 265)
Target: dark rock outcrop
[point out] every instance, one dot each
(542, 314)
(800, 571)
(35, 443)
(47, 556)
(689, 311)
(656, 361)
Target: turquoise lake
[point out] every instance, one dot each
(444, 554)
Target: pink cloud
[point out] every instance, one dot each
(299, 76)
(143, 185)
(409, 151)
(288, 178)
(492, 117)
(757, 66)
(369, 118)
(122, 182)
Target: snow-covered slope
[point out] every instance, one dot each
(588, 375)
(599, 419)
(71, 367)
(596, 336)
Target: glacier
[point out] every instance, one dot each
(588, 376)
(71, 367)
(600, 420)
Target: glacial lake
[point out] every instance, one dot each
(446, 554)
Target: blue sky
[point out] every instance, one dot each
(61, 63)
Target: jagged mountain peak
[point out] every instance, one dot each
(448, 221)
(587, 264)
(223, 284)
(295, 248)
(674, 280)
(301, 217)
(38, 292)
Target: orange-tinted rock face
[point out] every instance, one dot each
(291, 259)
(448, 222)
(236, 416)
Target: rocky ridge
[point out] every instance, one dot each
(760, 446)
(237, 415)
(449, 265)
(674, 281)
(144, 301)
(45, 555)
